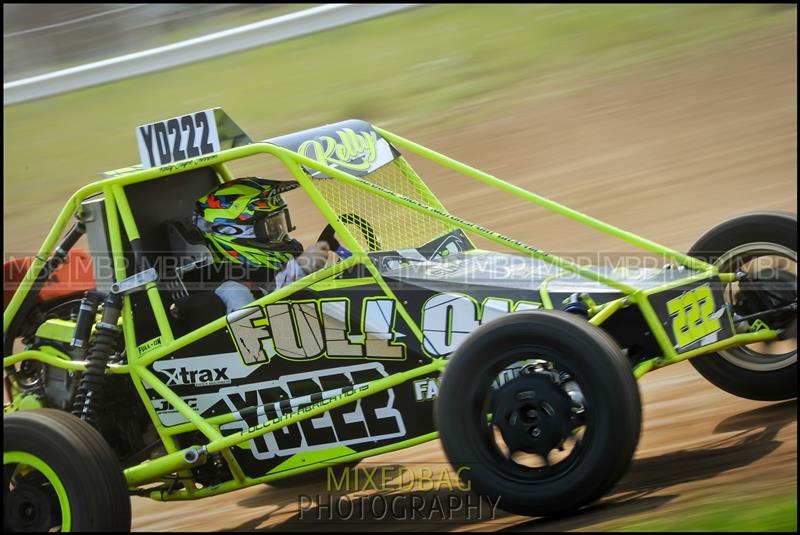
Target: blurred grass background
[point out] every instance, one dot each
(406, 71)
(776, 513)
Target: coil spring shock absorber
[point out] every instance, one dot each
(105, 342)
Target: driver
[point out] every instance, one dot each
(246, 222)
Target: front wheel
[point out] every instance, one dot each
(60, 474)
(540, 410)
(763, 248)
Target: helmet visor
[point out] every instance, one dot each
(274, 227)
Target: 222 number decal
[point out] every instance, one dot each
(178, 138)
(692, 315)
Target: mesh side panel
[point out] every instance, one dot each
(416, 188)
(379, 224)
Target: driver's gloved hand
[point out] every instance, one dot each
(311, 260)
(234, 294)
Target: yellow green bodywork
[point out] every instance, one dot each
(121, 220)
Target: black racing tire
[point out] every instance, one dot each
(612, 412)
(81, 460)
(740, 233)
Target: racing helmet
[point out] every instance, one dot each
(246, 221)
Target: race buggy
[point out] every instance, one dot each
(524, 364)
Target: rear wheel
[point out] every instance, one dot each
(763, 247)
(540, 410)
(60, 474)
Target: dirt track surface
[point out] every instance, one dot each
(698, 445)
(667, 152)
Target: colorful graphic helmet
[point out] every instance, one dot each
(246, 221)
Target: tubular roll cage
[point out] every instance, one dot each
(177, 460)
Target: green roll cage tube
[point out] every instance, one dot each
(178, 460)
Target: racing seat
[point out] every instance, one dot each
(192, 281)
(161, 209)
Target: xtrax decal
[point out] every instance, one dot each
(448, 318)
(203, 371)
(179, 138)
(370, 419)
(307, 330)
(208, 370)
(203, 377)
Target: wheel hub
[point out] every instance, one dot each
(765, 290)
(31, 507)
(533, 414)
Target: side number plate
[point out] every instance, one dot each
(695, 316)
